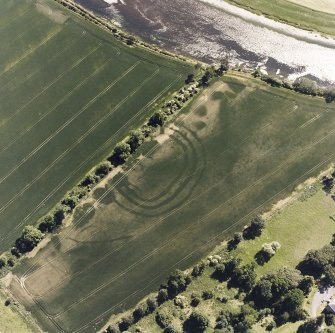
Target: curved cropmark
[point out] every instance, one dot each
(178, 190)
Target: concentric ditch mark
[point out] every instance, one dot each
(177, 190)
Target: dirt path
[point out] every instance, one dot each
(320, 299)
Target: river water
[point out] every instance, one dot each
(208, 30)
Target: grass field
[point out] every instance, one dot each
(298, 225)
(68, 93)
(241, 146)
(326, 6)
(298, 13)
(13, 319)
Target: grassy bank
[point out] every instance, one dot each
(291, 13)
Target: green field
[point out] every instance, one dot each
(298, 226)
(68, 93)
(240, 146)
(295, 14)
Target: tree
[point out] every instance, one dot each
(60, 213)
(293, 300)
(157, 119)
(135, 140)
(198, 269)
(196, 323)
(267, 252)
(311, 326)
(237, 238)
(244, 277)
(162, 296)
(121, 152)
(176, 283)
(255, 228)
(125, 323)
(102, 169)
(329, 95)
(30, 237)
(329, 276)
(306, 284)
(190, 78)
(151, 305)
(112, 329)
(88, 181)
(306, 86)
(139, 312)
(47, 224)
(70, 201)
(316, 261)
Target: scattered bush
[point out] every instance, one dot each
(237, 238)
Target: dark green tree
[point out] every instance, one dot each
(30, 237)
(196, 323)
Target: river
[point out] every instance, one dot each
(208, 30)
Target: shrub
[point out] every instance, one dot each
(170, 329)
(30, 237)
(2, 262)
(311, 326)
(196, 323)
(207, 294)
(195, 301)
(273, 81)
